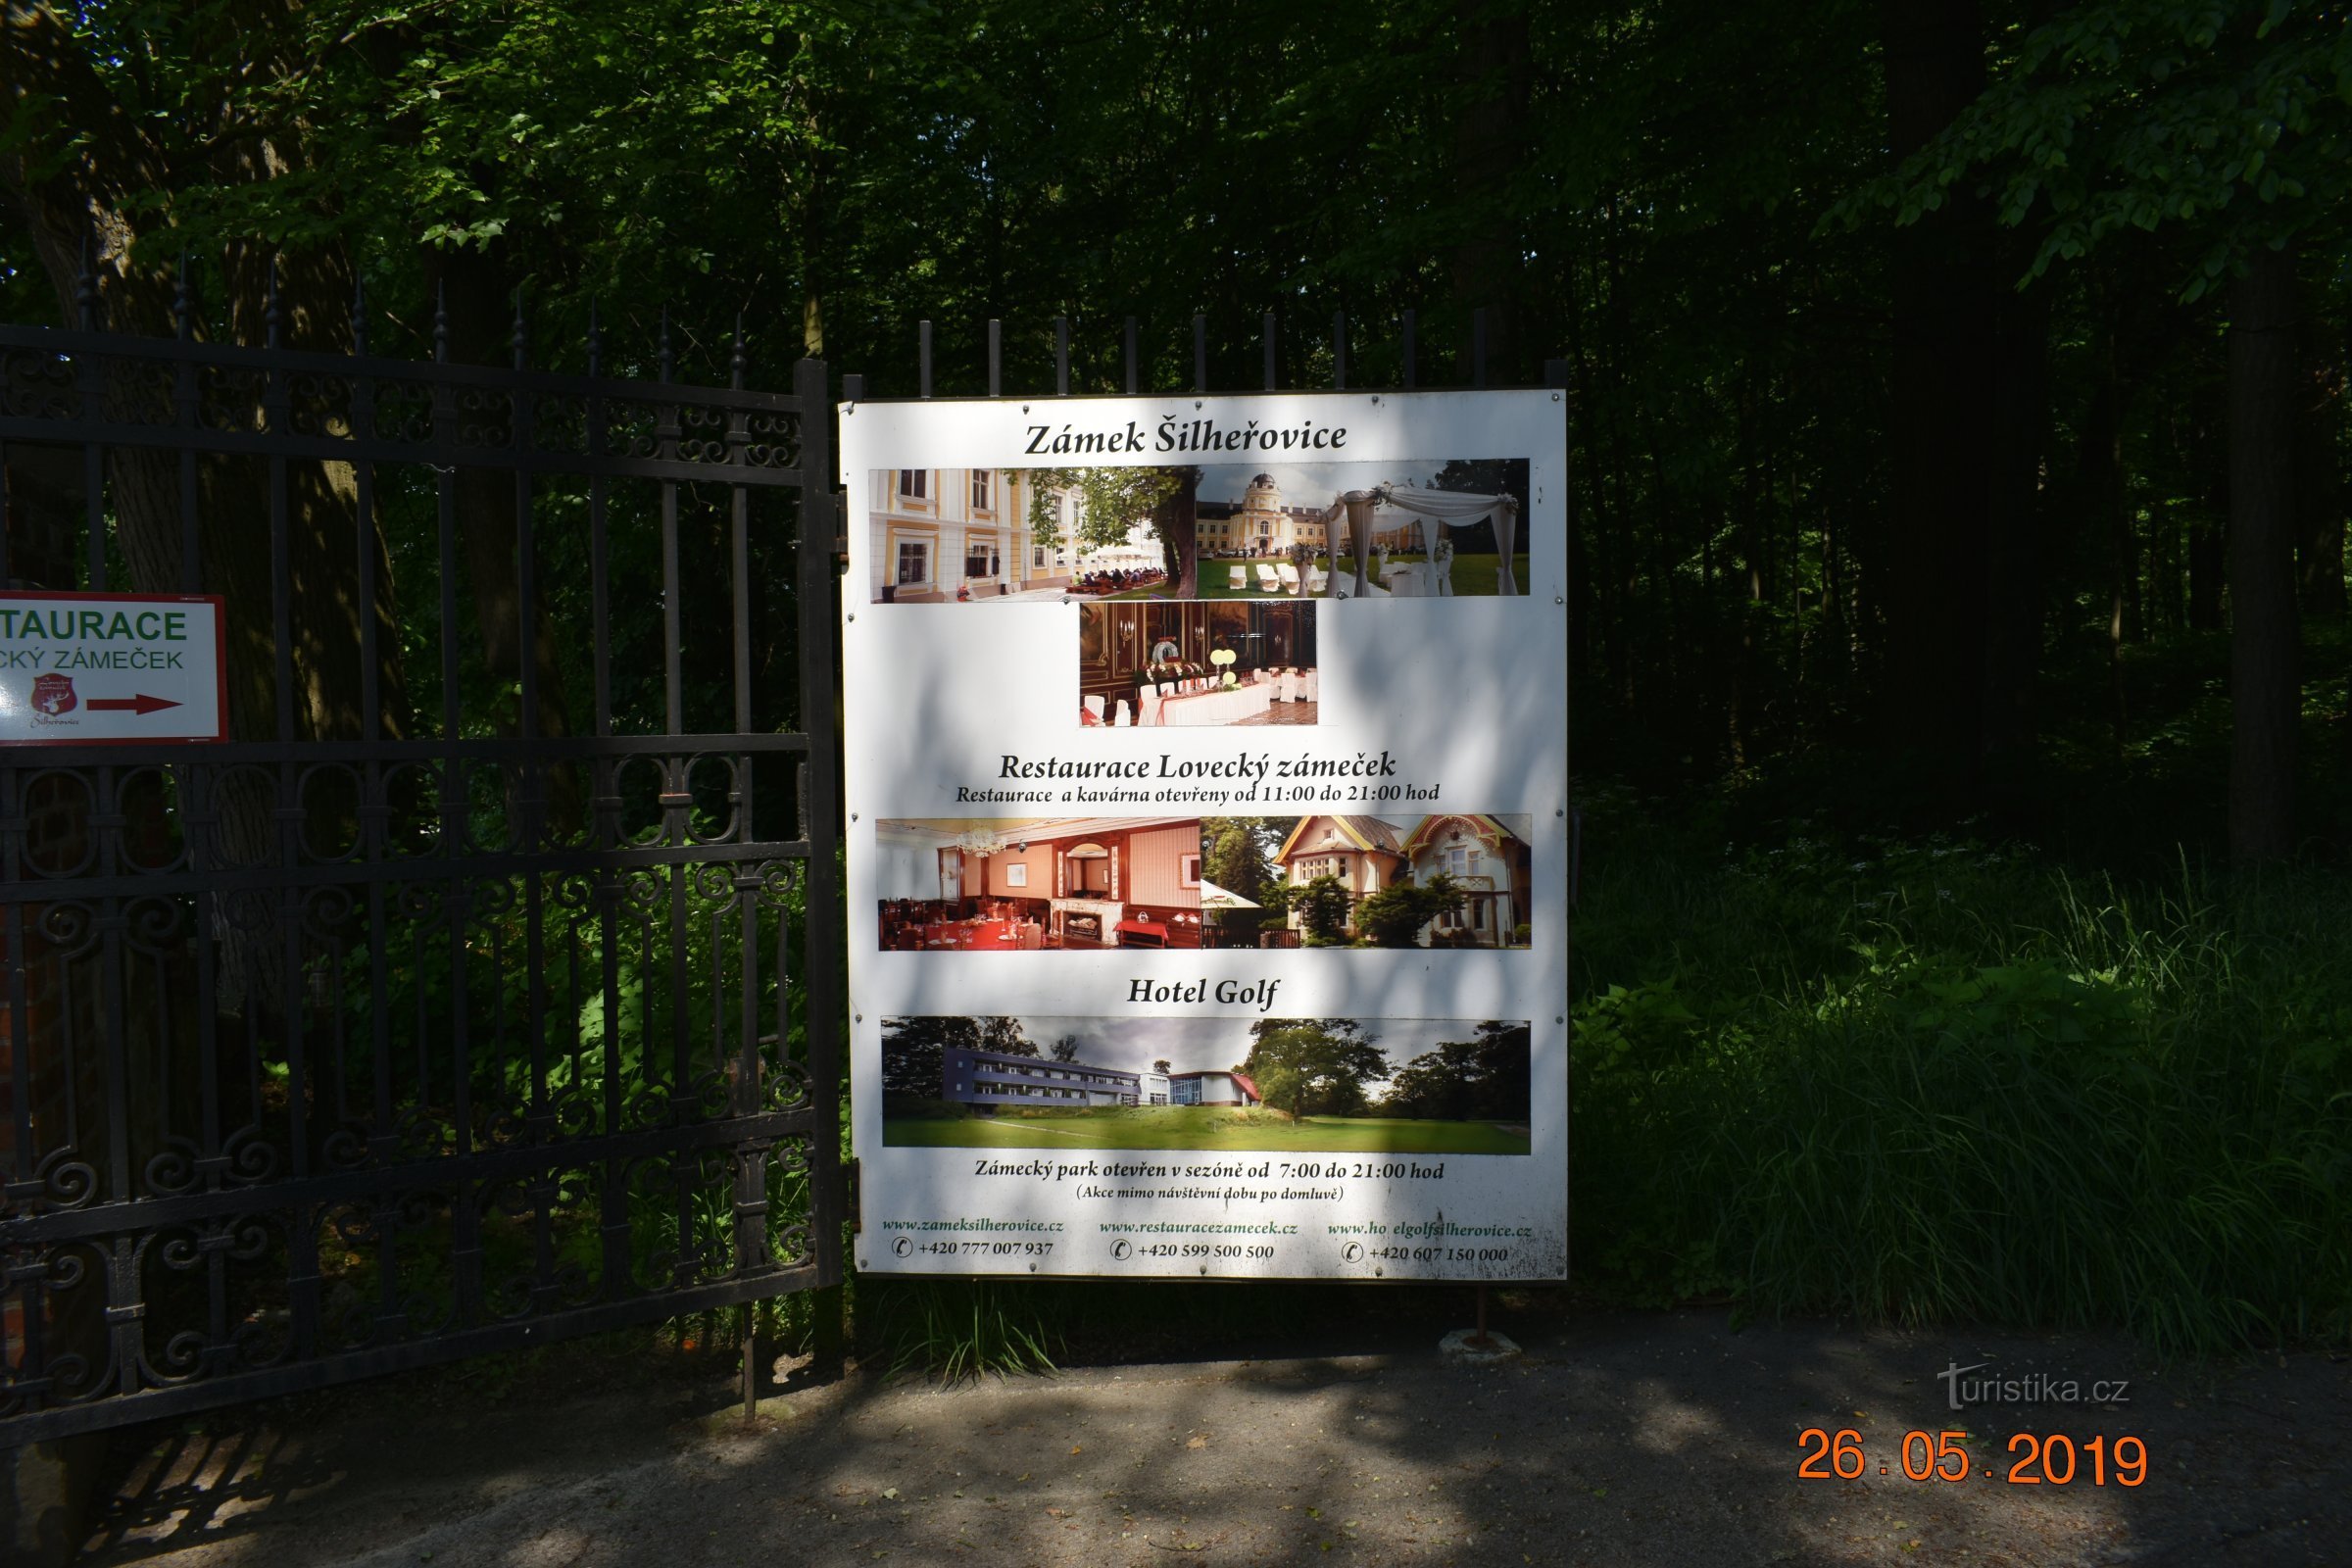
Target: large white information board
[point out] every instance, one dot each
(89, 669)
(1206, 764)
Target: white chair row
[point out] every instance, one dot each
(1292, 685)
(1099, 712)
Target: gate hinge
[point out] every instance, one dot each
(849, 1196)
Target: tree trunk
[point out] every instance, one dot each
(1179, 535)
(2264, 690)
(80, 183)
(2016, 598)
(2320, 493)
(1497, 79)
(85, 195)
(1941, 421)
(479, 301)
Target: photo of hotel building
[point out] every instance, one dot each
(993, 1078)
(1015, 884)
(942, 535)
(1139, 1082)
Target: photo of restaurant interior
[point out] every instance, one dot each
(1035, 884)
(1181, 662)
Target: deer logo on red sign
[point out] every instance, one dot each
(53, 696)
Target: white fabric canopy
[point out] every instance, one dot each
(1462, 509)
(1435, 509)
(1213, 896)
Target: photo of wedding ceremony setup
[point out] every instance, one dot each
(1037, 884)
(1174, 663)
(1418, 1086)
(1450, 880)
(1436, 529)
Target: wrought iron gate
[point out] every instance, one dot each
(484, 988)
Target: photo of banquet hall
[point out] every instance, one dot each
(1217, 661)
(1034, 884)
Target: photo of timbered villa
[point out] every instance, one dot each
(1486, 857)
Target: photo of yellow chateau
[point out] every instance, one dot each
(971, 536)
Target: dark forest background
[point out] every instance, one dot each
(1959, 464)
(1956, 382)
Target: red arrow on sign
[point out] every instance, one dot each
(141, 704)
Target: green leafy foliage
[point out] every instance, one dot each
(1393, 916)
(1314, 1066)
(1322, 903)
(2229, 118)
(2014, 1097)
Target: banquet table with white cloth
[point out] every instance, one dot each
(1219, 705)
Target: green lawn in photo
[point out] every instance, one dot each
(1474, 576)
(1201, 1127)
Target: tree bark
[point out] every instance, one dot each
(2264, 687)
(2320, 493)
(478, 297)
(1498, 80)
(79, 191)
(2014, 581)
(78, 186)
(1179, 537)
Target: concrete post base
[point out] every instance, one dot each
(47, 1490)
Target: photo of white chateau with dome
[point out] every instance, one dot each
(1402, 529)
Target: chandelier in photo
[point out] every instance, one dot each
(980, 841)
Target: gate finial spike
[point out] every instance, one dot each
(519, 335)
(740, 361)
(596, 343)
(184, 302)
(359, 314)
(441, 322)
(668, 360)
(270, 316)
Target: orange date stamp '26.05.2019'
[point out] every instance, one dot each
(2033, 1459)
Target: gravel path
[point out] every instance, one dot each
(1615, 1440)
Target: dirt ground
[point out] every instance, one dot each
(1616, 1439)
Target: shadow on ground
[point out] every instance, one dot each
(1663, 1437)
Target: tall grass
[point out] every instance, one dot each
(1936, 1081)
